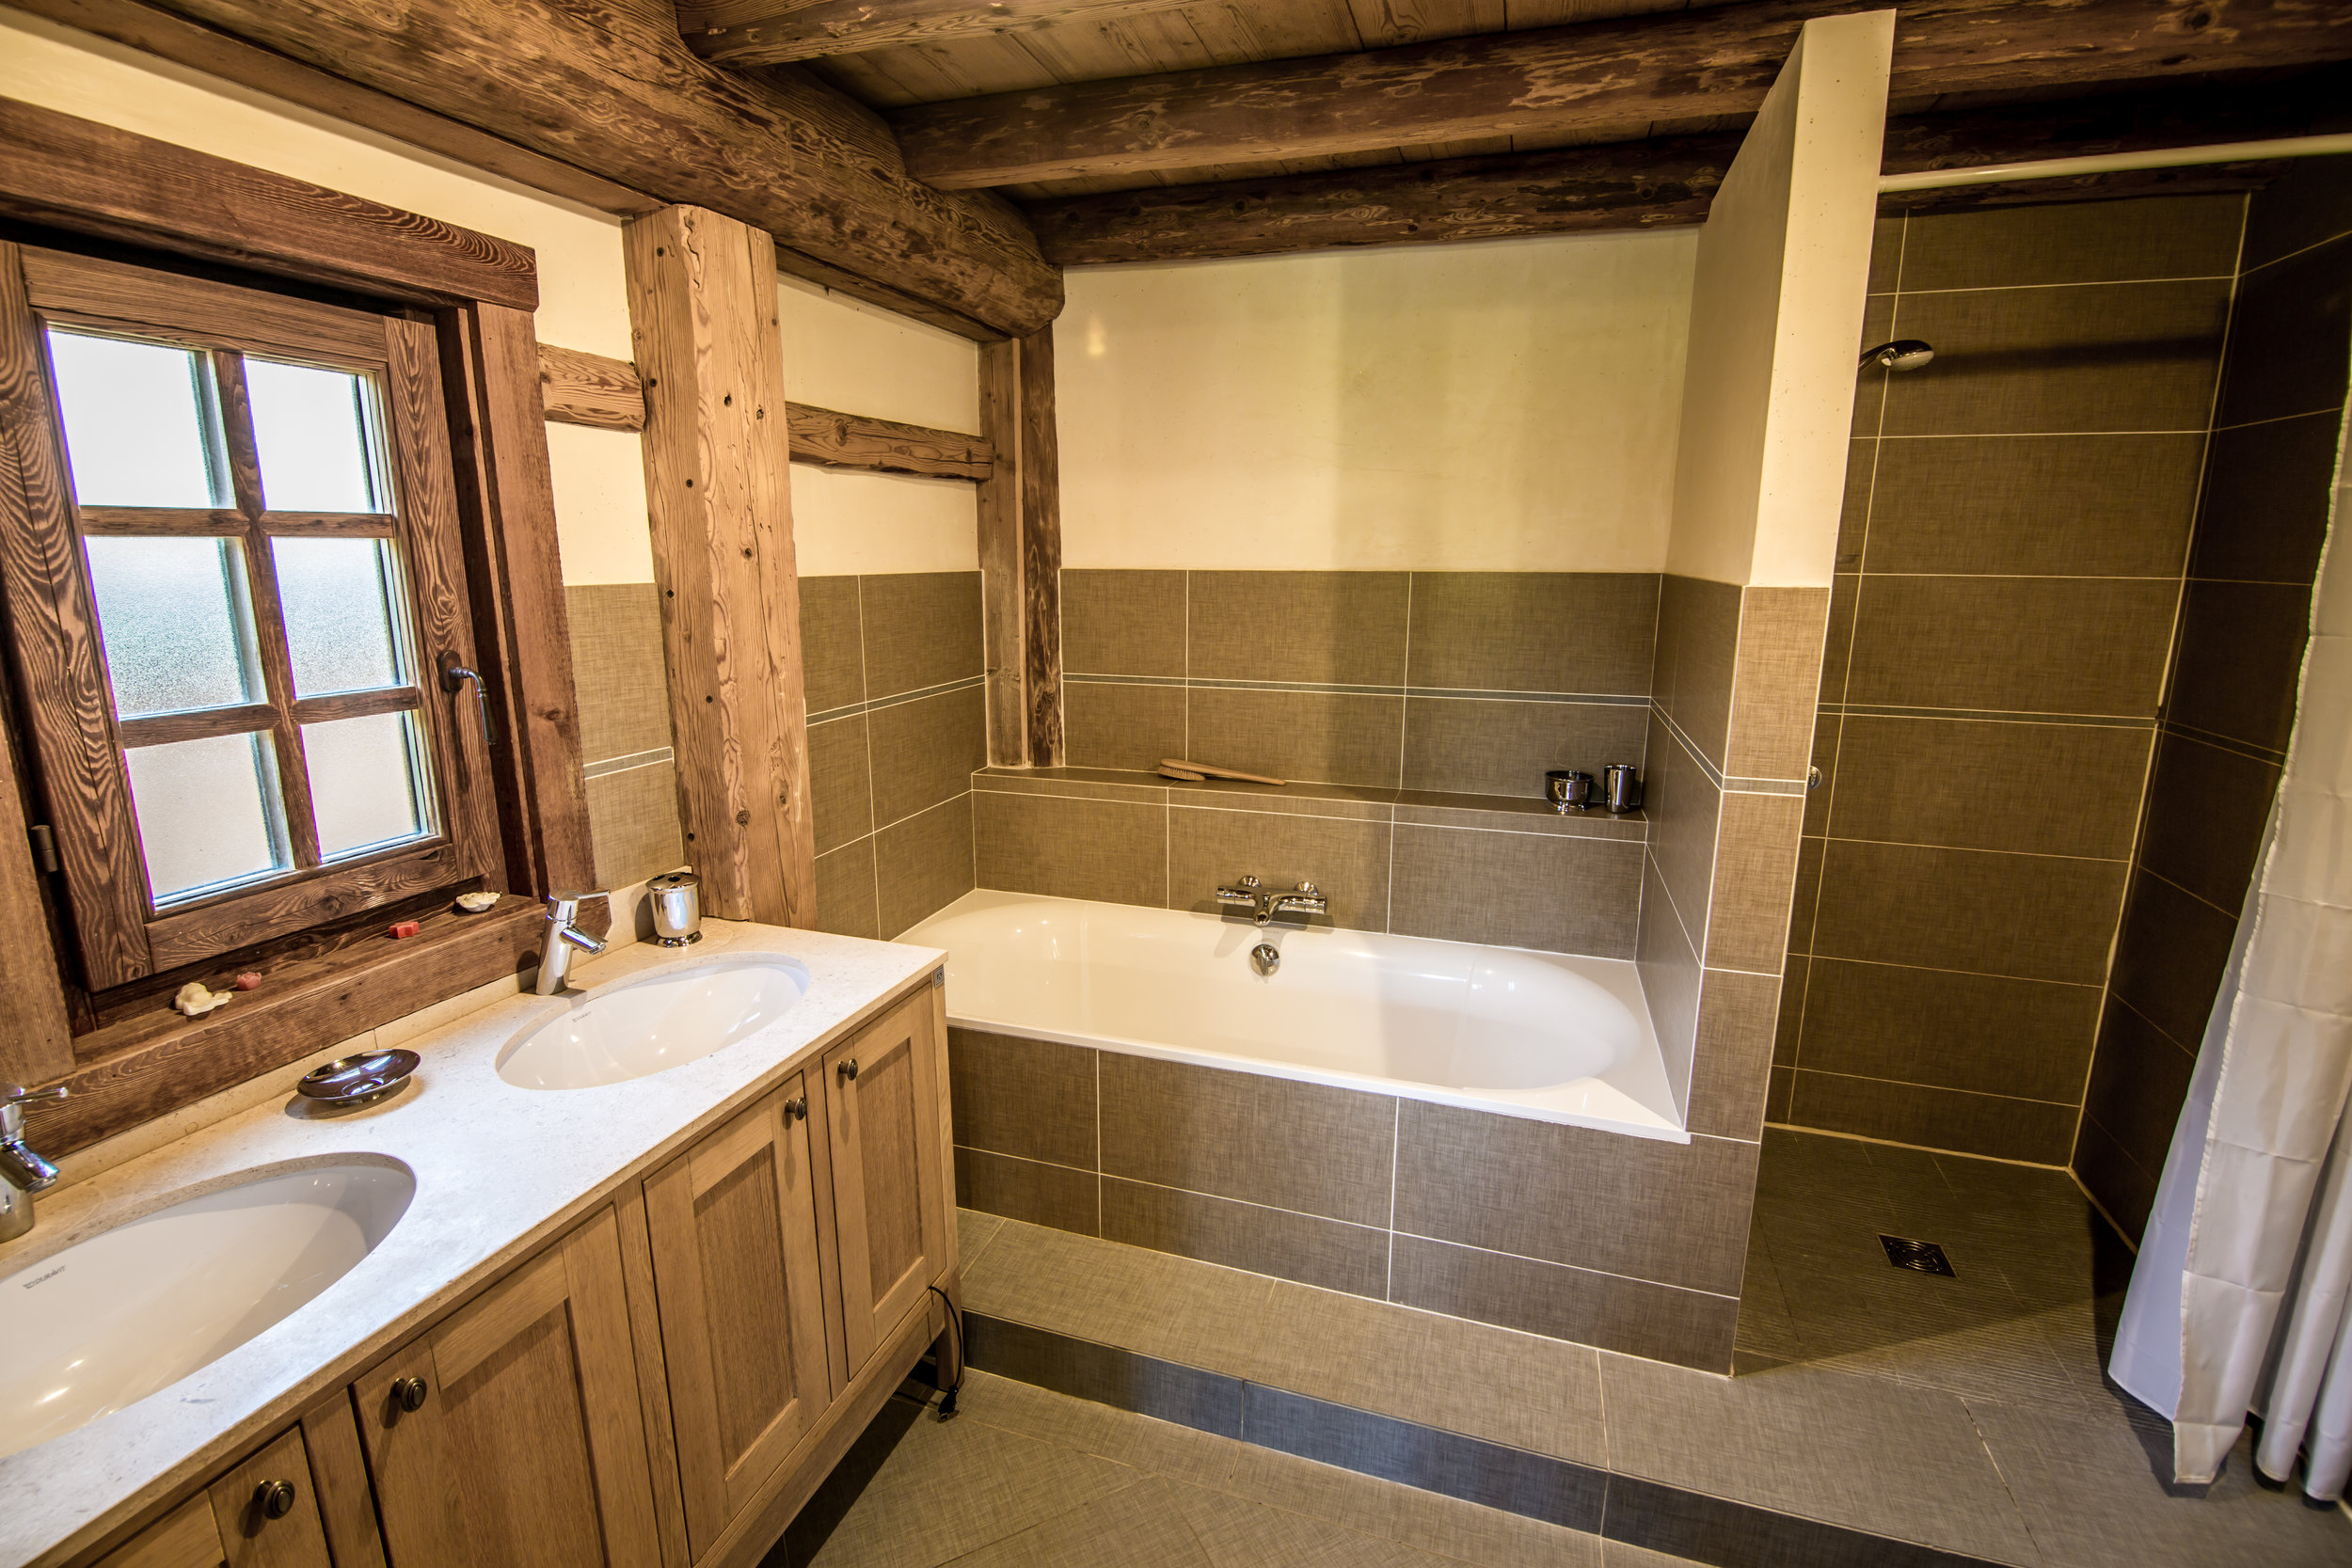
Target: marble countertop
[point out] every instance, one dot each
(499, 1170)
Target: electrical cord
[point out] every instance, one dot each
(955, 1330)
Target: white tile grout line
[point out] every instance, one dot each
(1934, 969)
(872, 831)
(1396, 1147)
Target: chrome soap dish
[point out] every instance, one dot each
(356, 1081)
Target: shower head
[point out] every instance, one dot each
(1903, 353)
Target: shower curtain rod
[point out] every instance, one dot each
(2109, 163)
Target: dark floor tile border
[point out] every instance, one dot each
(1626, 1509)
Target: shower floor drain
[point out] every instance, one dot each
(1924, 1257)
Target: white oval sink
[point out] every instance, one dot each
(136, 1309)
(646, 1027)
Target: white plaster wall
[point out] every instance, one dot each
(1506, 406)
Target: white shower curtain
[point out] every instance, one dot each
(2238, 1302)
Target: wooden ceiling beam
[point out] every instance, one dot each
(1671, 182)
(608, 86)
(1672, 66)
(775, 32)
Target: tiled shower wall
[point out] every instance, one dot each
(896, 724)
(625, 730)
(2226, 720)
(2009, 564)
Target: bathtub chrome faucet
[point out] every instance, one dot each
(1264, 903)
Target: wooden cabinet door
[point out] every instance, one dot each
(229, 1522)
(884, 1120)
(527, 1448)
(733, 1222)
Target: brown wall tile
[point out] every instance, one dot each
(1319, 1252)
(1685, 810)
(1123, 726)
(1989, 1125)
(922, 629)
(1302, 1147)
(2207, 808)
(924, 752)
(1028, 1191)
(1886, 253)
(2091, 242)
(2287, 337)
(617, 668)
(1854, 516)
(923, 863)
(1870, 393)
(1534, 631)
(1122, 622)
(1628, 1316)
(2101, 356)
(1698, 645)
(832, 652)
(1845, 597)
(1346, 628)
(1673, 1213)
(1328, 736)
(1808, 896)
(1738, 1014)
(1106, 849)
(2056, 789)
(2122, 1188)
(2036, 505)
(1347, 858)
(633, 826)
(2265, 515)
(2013, 644)
(1669, 966)
(2034, 916)
(1518, 889)
(845, 891)
(2241, 659)
(2170, 958)
(1033, 1099)
(1777, 1097)
(839, 785)
(2137, 1086)
(1476, 745)
(1777, 682)
(1791, 1017)
(2309, 203)
(1986, 1033)
(1755, 874)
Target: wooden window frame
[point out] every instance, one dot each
(475, 296)
(122, 935)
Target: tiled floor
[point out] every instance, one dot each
(1966, 1414)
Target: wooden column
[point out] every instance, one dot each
(702, 317)
(1021, 553)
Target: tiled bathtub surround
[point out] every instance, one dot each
(1499, 869)
(2237, 661)
(1460, 682)
(1631, 1243)
(897, 723)
(2010, 561)
(617, 671)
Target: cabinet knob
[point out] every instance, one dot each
(408, 1393)
(274, 1499)
(847, 1069)
(796, 1108)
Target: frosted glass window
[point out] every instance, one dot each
(172, 615)
(208, 813)
(138, 424)
(367, 782)
(310, 427)
(339, 596)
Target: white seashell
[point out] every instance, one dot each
(195, 1001)
(474, 903)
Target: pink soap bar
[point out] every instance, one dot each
(249, 981)
(405, 929)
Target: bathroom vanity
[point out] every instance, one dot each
(633, 1321)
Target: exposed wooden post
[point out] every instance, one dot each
(702, 315)
(1021, 553)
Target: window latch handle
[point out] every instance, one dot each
(453, 677)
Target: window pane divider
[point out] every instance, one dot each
(332, 525)
(150, 522)
(164, 729)
(357, 705)
(269, 621)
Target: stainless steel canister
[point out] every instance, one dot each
(677, 908)
(1569, 789)
(1624, 786)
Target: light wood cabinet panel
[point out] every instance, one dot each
(734, 1230)
(526, 1448)
(884, 1121)
(228, 1523)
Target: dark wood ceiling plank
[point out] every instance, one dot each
(772, 32)
(1669, 67)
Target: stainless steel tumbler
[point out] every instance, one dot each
(677, 908)
(1625, 786)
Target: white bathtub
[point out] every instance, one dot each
(1538, 1035)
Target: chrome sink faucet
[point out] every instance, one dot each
(1264, 903)
(555, 958)
(23, 1173)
